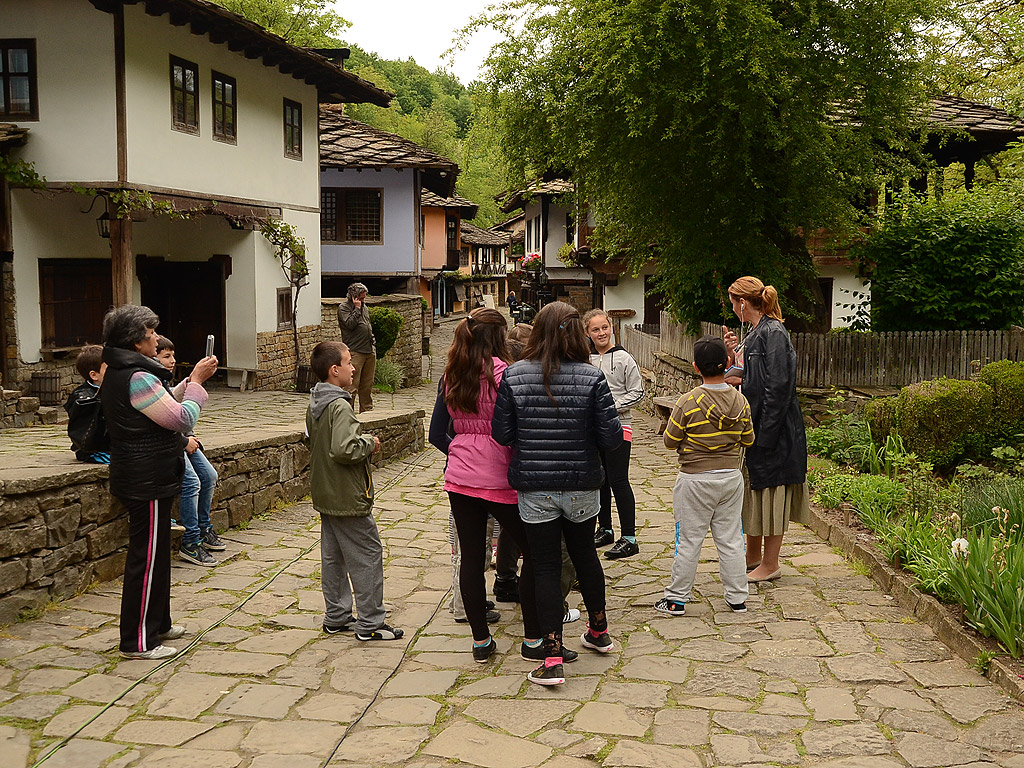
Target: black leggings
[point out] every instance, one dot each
(471, 526)
(546, 544)
(616, 480)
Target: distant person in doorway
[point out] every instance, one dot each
(357, 333)
(147, 424)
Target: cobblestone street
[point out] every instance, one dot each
(823, 670)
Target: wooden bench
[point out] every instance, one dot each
(182, 370)
(663, 409)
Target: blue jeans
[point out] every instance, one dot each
(196, 496)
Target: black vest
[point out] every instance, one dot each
(147, 461)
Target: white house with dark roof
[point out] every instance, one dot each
(185, 104)
(373, 228)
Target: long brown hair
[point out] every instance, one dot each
(557, 336)
(763, 298)
(478, 340)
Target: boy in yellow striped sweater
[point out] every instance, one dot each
(709, 428)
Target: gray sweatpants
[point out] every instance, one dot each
(350, 550)
(708, 500)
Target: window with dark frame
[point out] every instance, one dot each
(284, 308)
(292, 129)
(184, 95)
(225, 108)
(18, 98)
(351, 215)
(452, 231)
(74, 294)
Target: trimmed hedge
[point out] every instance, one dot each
(946, 421)
(386, 323)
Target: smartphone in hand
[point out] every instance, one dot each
(209, 345)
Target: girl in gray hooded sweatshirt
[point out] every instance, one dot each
(627, 386)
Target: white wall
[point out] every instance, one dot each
(844, 283)
(75, 138)
(628, 294)
(398, 252)
(254, 168)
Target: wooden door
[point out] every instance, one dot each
(189, 298)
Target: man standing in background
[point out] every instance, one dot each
(356, 332)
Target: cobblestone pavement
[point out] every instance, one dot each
(823, 670)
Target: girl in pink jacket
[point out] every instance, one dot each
(476, 474)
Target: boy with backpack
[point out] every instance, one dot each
(86, 428)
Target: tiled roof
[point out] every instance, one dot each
(12, 135)
(469, 209)
(972, 116)
(203, 17)
(553, 187)
(348, 143)
(475, 236)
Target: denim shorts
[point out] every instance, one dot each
(545, 506)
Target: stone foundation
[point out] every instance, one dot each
(61, 532)
(275, 356)
(408, 349)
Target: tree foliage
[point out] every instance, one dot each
(952, 264)
(709, 133)
(309, 23)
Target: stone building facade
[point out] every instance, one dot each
(275, 356)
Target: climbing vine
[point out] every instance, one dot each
(21, 173)
(290, 250)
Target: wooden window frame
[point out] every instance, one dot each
(284, 320)
(33, 95)
(72, 269)
(223, 136)
(292, 151)
(184, 126)
(340, 223)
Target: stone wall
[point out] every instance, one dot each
(275, 356)
(61, 532)
(17, 410)
(408, 349)
(9, 320)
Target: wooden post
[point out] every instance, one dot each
(122, 265)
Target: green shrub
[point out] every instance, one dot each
(881, 417)
(1007, 381)
(425, 304)
(946, 420)
(386, 324)
(388, 375)
(844, 439)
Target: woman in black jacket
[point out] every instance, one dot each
(777, 461)
(555, 410)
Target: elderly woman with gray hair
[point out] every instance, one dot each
(147, 424)
(357, 333)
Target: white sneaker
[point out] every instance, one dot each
(153, 654)
(173, 633)
(571, 615)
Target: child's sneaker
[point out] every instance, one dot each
(176, 526)
(194, 553)
(738, 607)
(671, 607)
(537, 653)
(482, 653)
(333, 629)
(548, 673)
(384, 632)
(571, 615)
(212, 541)
(601, 642)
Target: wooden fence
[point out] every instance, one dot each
(640, 345)
(869, 359)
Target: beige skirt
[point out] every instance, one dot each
(769, 511)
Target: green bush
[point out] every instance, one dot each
(386, 324)
(1007, 381)
(946, 420)
(844, 439)
(388, 375)
(881, 417)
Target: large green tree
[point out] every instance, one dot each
(310, 23)
(710, 133)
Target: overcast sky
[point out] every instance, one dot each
(423, 30)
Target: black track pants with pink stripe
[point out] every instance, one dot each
(146, 595)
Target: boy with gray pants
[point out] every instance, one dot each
(341, 484)
(709, 427)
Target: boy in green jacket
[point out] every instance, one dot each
(341, 482)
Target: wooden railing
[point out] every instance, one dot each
(856, 359)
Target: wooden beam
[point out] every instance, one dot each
(6, 234)
(122, 264)
(120, 97)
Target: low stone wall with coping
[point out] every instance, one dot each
(61, 531)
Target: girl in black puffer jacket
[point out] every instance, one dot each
(555, 410)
